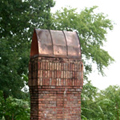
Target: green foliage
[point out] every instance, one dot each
(109, 100)
(18, 18)
(88, 96)
(102, 105)
(14, 109)
(92, 29)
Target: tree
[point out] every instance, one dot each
(92, 29)
(14, 109)
(18, 18)
(88, 97)
(109, 100)
(100, 105)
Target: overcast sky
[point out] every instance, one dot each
(112, 9)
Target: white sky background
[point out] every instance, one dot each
(112, 9)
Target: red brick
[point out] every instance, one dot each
(55, 88)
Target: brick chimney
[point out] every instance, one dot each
(55, 75)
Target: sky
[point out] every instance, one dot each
(112, 9)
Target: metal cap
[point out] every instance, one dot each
(55, 43)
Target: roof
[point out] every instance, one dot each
(55, 43)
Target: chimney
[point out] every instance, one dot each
(55, 75)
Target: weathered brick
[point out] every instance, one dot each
(55, 88)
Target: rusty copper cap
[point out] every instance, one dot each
(55, 43)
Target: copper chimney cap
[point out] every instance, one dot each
(55, 43)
